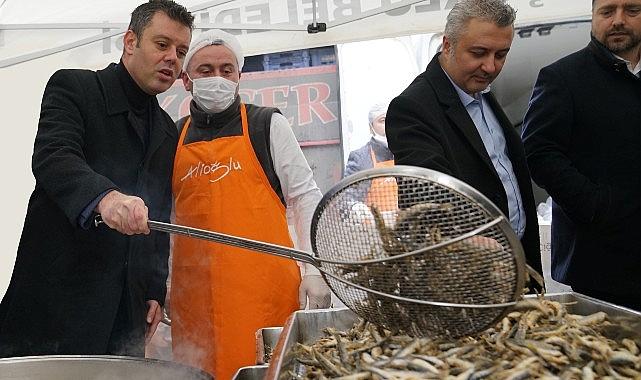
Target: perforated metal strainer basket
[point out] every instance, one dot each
(417, 250)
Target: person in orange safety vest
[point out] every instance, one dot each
(375, 154)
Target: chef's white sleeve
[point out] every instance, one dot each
(296, 180)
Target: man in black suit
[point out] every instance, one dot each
(104, 146)
(447, 119)
(583, 142)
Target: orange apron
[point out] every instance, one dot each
(383, 192)
(220, 295)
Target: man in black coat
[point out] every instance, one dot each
(446, 120)
(582, 140)
(103, 146)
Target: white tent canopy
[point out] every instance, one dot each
(39, 27)
(38, 37)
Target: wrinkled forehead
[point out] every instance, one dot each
(614, 3)
(487, 34)
(214, 55)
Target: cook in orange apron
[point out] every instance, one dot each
(383, 192)
(221, 295)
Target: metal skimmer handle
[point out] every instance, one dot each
(235, 241)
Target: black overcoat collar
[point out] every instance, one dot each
(116, 103)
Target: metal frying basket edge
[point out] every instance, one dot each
(445, 180)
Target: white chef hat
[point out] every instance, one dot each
(215, 37)
(377, 110)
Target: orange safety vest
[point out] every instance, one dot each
(220, 295)
(383, 192)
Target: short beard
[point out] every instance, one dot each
(623, 47)
(619, 48)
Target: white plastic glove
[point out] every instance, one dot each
(314, 288)
(360, 213)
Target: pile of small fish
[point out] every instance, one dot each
(269, 352)
(479, 269)
(539, 339)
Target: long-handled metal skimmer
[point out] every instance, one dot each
(407, 248)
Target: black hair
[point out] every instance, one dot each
(142, 15)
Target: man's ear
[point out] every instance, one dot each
(130, 40)
(186, 82)
(446, 46)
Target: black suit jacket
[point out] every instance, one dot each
(68, 282)
(428, 126)
(582, 137)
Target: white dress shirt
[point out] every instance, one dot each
(493, 139)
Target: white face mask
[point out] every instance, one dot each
(380, 139)
(214, 94)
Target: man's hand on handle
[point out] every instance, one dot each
(124, 213)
